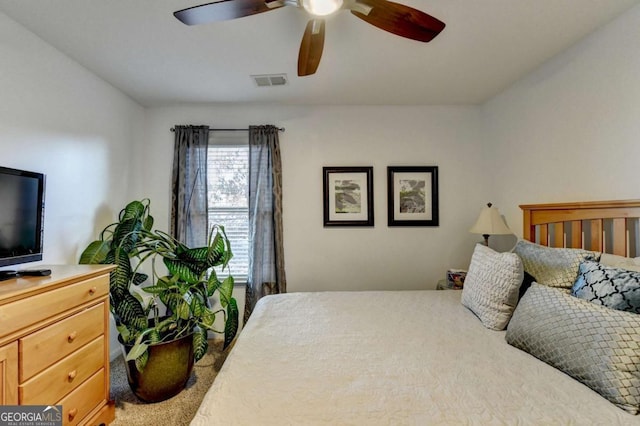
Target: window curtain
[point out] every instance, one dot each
(266, 252)
(189, 185)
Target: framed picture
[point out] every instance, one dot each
(412, 198)
(348, 196)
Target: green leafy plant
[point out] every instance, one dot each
(182, 293)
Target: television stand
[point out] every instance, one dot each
(54, 343)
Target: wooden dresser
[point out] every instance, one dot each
(54, 342)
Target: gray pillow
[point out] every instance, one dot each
(595, 345)
(611, 287)
(491, 286)
(554, 267)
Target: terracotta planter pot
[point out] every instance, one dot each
(167, 371)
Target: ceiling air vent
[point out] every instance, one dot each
(267, 80)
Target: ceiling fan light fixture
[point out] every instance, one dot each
(322, 7)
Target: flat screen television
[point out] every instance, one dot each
(21, 216)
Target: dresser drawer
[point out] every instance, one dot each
(83, 400)
(17, 315)
(64, 376)
(9, 374)
(41, 349)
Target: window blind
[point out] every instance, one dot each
(228, 196)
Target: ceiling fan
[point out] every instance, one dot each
(395, 18)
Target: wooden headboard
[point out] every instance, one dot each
(606, 226)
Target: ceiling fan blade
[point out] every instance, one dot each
(311, 47)
(398, 19)
(224, 10)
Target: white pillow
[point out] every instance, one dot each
(491, 288)
(621, 262)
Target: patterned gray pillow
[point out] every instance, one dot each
(491, 286)
(611, 287)
(596, 345)
(554, 267)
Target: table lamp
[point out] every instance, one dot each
(490, 222)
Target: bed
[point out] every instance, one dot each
(423, 357)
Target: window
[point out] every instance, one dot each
(228, 182)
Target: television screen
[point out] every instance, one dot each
(21, 216)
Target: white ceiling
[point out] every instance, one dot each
(140, 48)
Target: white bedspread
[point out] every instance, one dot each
(388, 358)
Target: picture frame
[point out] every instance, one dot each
(412, 196)
(348, 196)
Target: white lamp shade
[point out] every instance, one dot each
(490, 223)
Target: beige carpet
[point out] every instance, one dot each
(176, 411)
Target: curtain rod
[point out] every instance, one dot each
(230, 130)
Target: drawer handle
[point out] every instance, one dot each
(72, 375)
(92, 291)
(72, 413)
(72, 336)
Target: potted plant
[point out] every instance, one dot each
(168, 311)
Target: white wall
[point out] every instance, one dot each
(319, 258)
(58, 118)
(570, 130)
